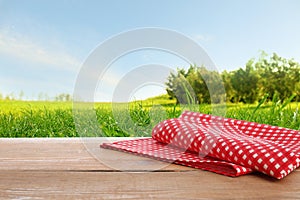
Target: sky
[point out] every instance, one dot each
(44, 44)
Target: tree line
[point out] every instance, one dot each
(265, 77)
(41, 97)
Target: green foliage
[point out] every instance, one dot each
(267, 75)
(197, 85)
(245, 84)
(179, 88)
(278, 76)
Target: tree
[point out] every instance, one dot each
(63, 97)
(245, 83)
(272, 75)
(179, 88)
(230, 92)
(196, 85)
(21, 95)
(208, 86)
(279, 76)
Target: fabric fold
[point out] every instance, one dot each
(222, 145)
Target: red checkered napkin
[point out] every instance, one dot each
(225, 146)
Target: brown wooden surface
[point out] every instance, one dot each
(72, 168)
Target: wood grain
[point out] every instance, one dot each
(63, 168)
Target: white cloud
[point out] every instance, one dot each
(20, 47)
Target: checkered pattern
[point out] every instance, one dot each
(226, 146)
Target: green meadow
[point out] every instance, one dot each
(56, 119)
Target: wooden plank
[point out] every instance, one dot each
(68, 168)
(72, 154)
(151, 185)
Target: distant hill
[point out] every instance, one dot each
(163, 99)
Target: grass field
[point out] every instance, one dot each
(56, 119)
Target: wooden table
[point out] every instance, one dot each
(66, 168)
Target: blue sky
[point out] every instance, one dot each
(43, 44)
